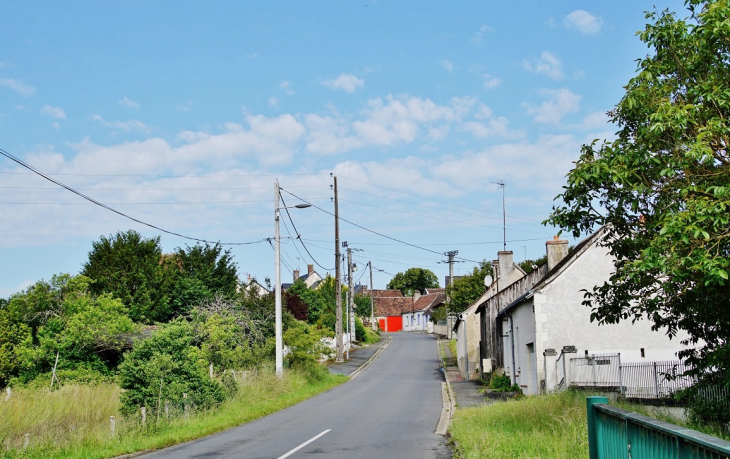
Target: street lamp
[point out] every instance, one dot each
(277, 264)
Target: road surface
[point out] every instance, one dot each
(389, 411)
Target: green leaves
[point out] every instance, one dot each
(662, 188)
(412, 280)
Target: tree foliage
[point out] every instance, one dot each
(127, 266)
(662, 188)
(467, 289)
(412, 280)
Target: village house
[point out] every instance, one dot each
(531, 327)
(418, 316)
(311, 279)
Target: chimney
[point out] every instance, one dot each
(557, 249)
(506, 265)
(310, 269)
(495, 269)
(296, 275)
(416, 295)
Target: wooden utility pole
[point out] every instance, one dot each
(372, 303)
(338, 288)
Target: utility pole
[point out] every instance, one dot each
(504, 217)
(338, 288)
(277, 295)
(372, 303)
(451, 262)
(351, 296)
(347, 329)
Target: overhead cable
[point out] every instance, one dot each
(94, 201)
(299, 236)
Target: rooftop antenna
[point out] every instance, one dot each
(504, 216)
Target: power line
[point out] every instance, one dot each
(441, 244)
(298, 235)
(156, 189)
(373, 231)
(78, 193)
(168, 176)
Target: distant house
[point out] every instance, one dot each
(533, 325)
(311, 279)
(389, 305)
(416, 319)
(252, 283)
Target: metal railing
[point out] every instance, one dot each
(618, 434)
(560, 370)
(654, 379)
(599, 370)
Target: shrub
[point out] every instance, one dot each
(306, 348)
(164, 367)
(360, 334)
(500, 383)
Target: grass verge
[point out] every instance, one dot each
(545, 426)
(74, 422)
(452, 346)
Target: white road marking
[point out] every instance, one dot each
(303, 445)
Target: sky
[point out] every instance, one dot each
(183, 115)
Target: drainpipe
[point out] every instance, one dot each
(466, 347)
(512, 341)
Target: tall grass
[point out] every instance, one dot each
(549, 426)
(73, 422)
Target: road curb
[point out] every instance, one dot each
(367, 363)
(447, 395)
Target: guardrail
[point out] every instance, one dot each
(614, 433)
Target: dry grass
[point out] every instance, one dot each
(74, 421)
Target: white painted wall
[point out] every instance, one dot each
(554, 317)
(467, 343)
(415, 321)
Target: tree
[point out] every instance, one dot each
(127, 266)
(196, 274)
(414, 279)
(467, 289)
(529, 266)
(662, 189)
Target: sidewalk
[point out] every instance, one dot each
(358, 357)
(467, 393)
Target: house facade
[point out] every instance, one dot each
(311, 279)
(417, 318)
(540, 321)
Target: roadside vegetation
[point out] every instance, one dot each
(171, 335)
(547, 426)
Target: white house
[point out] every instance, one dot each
(311, 279)
(549, 317)
(416, 318)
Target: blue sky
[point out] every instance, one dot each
(182, 114)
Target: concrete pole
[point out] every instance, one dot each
(351, 296)
(277, 293)
(338, 289)
(372, 303)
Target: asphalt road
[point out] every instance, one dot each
(389, 411)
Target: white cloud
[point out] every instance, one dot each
(490, 82)
(6, 292)
(286, 86)
(274, 102)
(184, 107)
(329, 135)
(595, 120)
(448, 65)
(129, 103)
(53, 112)
(548, 64)
(345, 82)
(560, 103)
(479, 37)
(18, 86)
(438, 133)
(56, 126)
(125, 126)
(584, 22)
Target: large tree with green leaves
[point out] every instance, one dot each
(467, 289)
(127, 265)
(662, 188)
(412, 280)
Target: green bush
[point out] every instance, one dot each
(360, 335)
(702, 408)
(166, 366)
(500, 383)
(306, 348)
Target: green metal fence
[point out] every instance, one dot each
(614, 433)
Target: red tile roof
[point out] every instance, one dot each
(426, 303)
